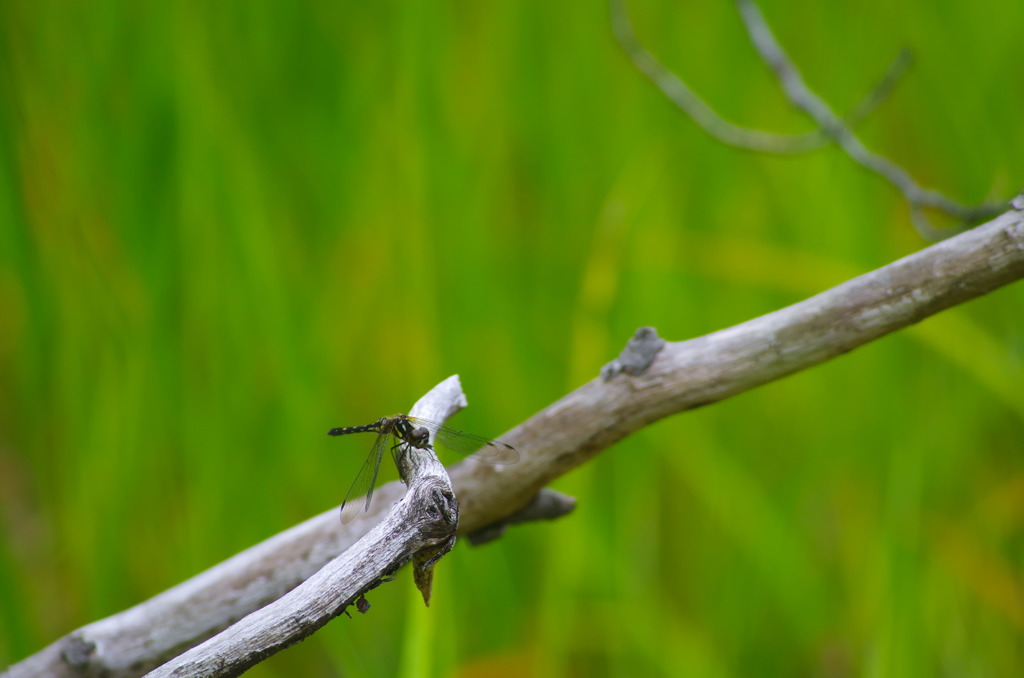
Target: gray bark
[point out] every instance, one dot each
(683, 375)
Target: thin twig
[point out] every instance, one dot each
(805, 99)
(881, 91)
(711, 122)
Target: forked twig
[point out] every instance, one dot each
(714, 124)
(814, 106)
(830, 127)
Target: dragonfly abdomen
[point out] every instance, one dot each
(342, 430)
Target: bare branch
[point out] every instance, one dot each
(815, 107)
(690, 374)
(421, 528)
(683, 376)
(344, 581)
(136, 640)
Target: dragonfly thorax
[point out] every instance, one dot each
(417, 436)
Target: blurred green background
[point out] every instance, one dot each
(227, 227)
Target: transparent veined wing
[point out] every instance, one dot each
(477, 447)
(365, 481)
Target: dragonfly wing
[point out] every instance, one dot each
(496, 452)
(467, 444)
(367, 478)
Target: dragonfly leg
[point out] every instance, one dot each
(398, 452)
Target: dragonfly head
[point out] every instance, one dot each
(419, 437)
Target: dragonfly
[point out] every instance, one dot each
(415, 432)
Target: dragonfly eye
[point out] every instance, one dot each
(419, 437)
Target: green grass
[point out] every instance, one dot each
(228, 227)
